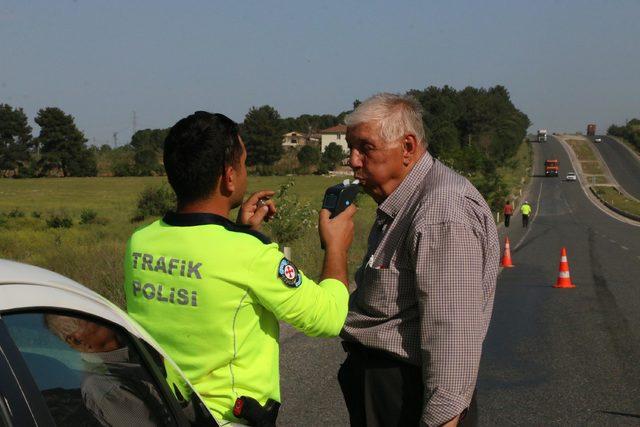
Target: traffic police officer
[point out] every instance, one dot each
(211, 291)
(525, 209)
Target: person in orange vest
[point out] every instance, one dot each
(508, 211)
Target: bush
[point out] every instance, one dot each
(88, 216)
(59, 220)
(293, 217)
(3, 220)
(154, 201)
(36, 214)
(122, 168)
(15, 213)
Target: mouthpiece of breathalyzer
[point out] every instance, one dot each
(339, 197)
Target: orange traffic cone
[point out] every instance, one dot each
(564, 278)
(506, 257)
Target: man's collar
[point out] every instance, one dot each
(198, 218)
(392, 204)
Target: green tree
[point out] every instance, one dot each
(151, 138)
(474, 131)
(332, 156)
(262, 134)
(308, 156)
(147, 145)
(309, 122)
(146, 161)
(63, 144)
(15, 140)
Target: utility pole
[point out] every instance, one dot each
(115, 140)
(135, 122)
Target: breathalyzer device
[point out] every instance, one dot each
(341, 196)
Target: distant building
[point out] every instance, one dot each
(294, 139)
(335, 134)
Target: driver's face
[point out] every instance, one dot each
(375, 162)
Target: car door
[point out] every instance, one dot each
(86, 371)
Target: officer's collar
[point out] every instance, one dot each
(201, 218)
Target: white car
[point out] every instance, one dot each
(597, 139)
(70, 357)
(571, 176)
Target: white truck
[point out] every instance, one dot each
(542, 135)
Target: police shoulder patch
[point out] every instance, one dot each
(289, 274)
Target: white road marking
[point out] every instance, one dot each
(625, 248)
(612, 241)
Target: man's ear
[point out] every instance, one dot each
(228, 181)
(410, 148)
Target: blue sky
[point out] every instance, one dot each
(565, 63)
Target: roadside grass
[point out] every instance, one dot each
(516, 172)
(627, 143)
(597, 179)
(617, 199)
(592, 168)
(92, 253)
(582, 149)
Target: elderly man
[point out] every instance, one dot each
(425, 289)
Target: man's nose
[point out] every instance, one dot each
(354, 160)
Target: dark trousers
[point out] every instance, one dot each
(382, 391)
(507, 218)
(525, 220)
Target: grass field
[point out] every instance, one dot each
(92, 254)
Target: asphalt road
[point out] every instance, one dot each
(552, 356)
(624, 166)
(565, 356)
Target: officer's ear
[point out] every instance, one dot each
(228, 181)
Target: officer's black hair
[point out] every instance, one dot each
(196, 151)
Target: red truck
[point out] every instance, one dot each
(591, 129)
(551, 167)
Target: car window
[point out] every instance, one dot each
(192, 407)
(89, 372)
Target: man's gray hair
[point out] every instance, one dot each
(396, 114)
(62, 326)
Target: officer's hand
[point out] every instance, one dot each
(337, 233)
(257, 208)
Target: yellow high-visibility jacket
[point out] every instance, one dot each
(211, 293)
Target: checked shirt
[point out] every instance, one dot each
(425, 289)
